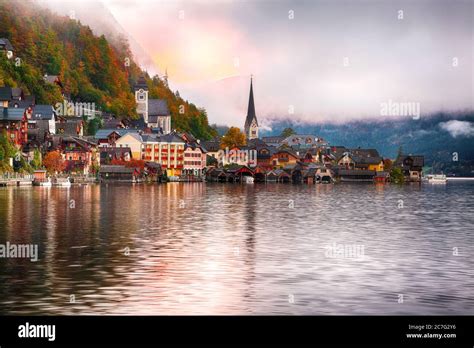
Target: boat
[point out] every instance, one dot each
(435, 179)
(248, 179)
(62, 182)
(42, 182)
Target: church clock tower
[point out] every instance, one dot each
(251, 123)
(141, 97)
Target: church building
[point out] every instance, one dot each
(251, 123)
(155, 112)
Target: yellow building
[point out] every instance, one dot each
(134, 142)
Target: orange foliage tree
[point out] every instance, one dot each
(54, 162)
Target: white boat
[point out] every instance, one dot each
(43, 183)
(63, 182)
(435, 178)
(248, 179)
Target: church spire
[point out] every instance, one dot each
(251, 115)
(251, 123)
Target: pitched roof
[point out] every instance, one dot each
(104, 133)
(115, 169)
(418, 161)
(6, 44)
(251, 108)
(141, 83)
(12, 114)
(43, 112)
(211, 146)
(157, 107)
(273, 139)
(5, 93)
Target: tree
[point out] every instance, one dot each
(54, 162)
(36, 161)
(287, 132)
(396, 176)
(234, 137)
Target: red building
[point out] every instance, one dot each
(15, 123)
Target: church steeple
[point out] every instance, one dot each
(251, 123)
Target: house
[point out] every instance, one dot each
(54, 80)
(194, 159)
(367, 159)
(111, 122)
(109, 154)
(284, 157)
(165, 149)
(353, 175)
(411, 166)
(79, 154)
(6, 47)
(117, 173)
(41, 122)
(132, 140)
(278, 175)
(9, 95)
(109, 137)
(212, 147)
(264, 153)
(72, 126)
(14, 122)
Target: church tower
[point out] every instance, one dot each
(251, 123)
(141, 97)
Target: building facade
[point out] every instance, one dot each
(251, 123)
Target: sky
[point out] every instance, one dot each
(310, 60)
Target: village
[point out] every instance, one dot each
(50, 146)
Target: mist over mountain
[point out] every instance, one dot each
(439, 137)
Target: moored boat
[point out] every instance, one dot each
(435, 179)
(62, 182)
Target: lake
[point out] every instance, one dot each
(210, 248)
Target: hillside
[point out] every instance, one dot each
(92, 69)
(436, 137)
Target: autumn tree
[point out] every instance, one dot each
(234, 137)
(54, 162)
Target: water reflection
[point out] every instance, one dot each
(238, 249)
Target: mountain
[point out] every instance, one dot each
(439, 137)
(92, 69)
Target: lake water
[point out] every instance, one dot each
(196, 248)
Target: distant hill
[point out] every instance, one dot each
(436, 137)
(92, 69)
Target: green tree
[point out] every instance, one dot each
(36, 161)
(287, 132)
(396, 176)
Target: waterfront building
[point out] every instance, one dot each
(411, 166)
(14, 122)
(132, 140)
(79, 155)
(194, 159)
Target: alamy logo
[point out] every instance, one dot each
(391, 108)
(37, 331)
(25, 251)
(243, 157)
(345, 251)
(74, 109)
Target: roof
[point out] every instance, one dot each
(303, 139)
(116, 169)
(418, 161)
(355, 172)
(5, 93)
(157, 107)
(273, 139)
(365, 152)
(251, 108)
(12, 114)
(212, 146)
(68, 128)
(170, 138)
(5, 43)
(43, 112)
(104, 133)
(141, 83)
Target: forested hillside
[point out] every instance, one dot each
(92, 69)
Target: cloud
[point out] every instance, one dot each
(458, 128)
